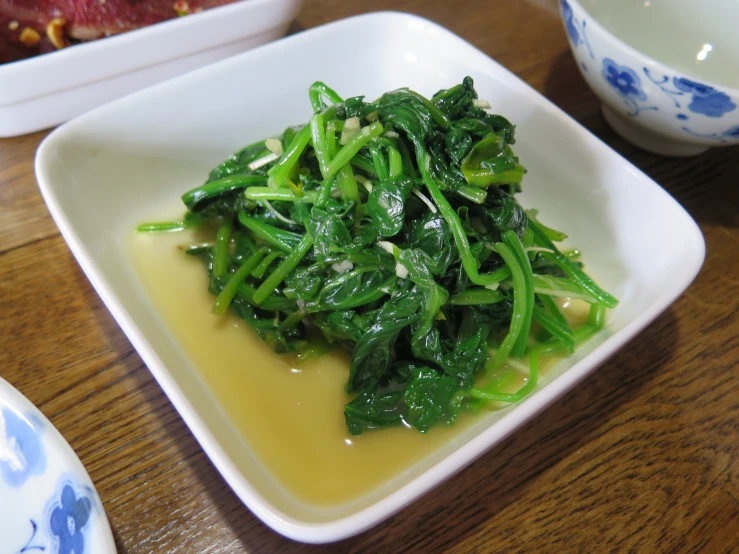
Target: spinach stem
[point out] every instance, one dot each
(520, 307)
(318, 136)
(357, 142)
(227, 294)
(278, 275)
(511, 240)
(597, 316)
(348, 184)
(271, 303)
(477, 297)
(469, 263)
(378, 160)
(580, 335)
(520, 394)
(473, 194)
(284, 240)
(556, 286)
(279, 172)
(314, 350)
(324, 192)
(165, 227)
(215, 188)
(528, 240)
(409, 168)
(360, 162)
(554, 327)
(318, 91)
(548, 232)
(223, 241)
(553, 309)
(282, 195)
(345, 177)
(566, 265)
(332, 127)
(440, 119)
(263, 266)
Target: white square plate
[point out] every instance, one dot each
(112, 168)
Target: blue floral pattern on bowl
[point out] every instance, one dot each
(68, 520)
(706, 100)
(21, 452)
(675, 106)
(576, 29)
(623, 79)
(627, 84)
(569, 17)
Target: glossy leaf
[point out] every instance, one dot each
(492, 162)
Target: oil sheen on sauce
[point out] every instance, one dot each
(290, 414)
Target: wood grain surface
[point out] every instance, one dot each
(643, 456)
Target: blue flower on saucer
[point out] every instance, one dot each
(623, 79)
(21, 451)
(706, 100)
(733, 132)
(68, 521)
(568, 18)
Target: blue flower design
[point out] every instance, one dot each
(706, 100)
(575, 29)
(21, 451)
(623, 79)
(68, 521)
(570, 26)
(686, 85)
(714, 104)
(733, 132)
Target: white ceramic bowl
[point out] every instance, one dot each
(46, 90)
(47, 501)
(110, 169)
(666, 71)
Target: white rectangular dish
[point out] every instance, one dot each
(46, 90)
(112, 168)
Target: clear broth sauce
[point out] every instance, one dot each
(292, 415)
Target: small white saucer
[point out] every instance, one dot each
(47, 500)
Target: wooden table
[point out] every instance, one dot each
(641, 457)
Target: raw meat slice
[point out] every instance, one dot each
(92, 19)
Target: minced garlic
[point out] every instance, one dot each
(29, 37)
(55, 32)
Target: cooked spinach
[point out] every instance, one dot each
(391, 228)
